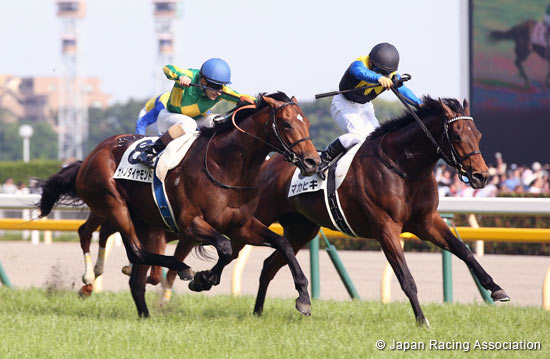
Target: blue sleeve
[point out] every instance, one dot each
(362, 72)
(147, 119)
(409, 95)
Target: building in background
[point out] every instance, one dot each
(36, 99)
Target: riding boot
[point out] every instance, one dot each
(149, 152)
(333, 152)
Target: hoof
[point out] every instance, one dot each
(186, 274)
(86, 291)
(127, 270)
(500, 296)
(423, 322)
(196, 286)
(304, 308)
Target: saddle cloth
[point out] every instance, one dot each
(540, 34)
(335, 176)
(300, 184)
(130, 169)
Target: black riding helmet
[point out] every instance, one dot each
(385, 57)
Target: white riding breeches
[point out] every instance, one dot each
(357, 120)
(188, 124)
(168, 119)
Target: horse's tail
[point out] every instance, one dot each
(59, 188)
(496, 35)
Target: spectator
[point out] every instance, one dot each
(9, 186)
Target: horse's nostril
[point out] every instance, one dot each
(480, 177)
(310, 162)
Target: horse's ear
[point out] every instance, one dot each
(294, 99)
(448, 112)
(466, 106)
(271, 102)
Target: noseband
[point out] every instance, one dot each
(286, 150)
(455, 160)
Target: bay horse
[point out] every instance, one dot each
(213, 192)
(521, 35)
(390, 188)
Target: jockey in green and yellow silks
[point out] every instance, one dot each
(188, 103)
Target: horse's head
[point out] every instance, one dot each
(291, 134)
(463, 138)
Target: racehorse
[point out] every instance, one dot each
(389, 189)
(213, 192)
(522, 35)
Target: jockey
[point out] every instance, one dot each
(187, 104)
(149, 113)
(353, 111)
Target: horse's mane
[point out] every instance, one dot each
(244, 113)
(431, 107)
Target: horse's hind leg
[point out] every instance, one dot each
(391, 245)
(440, 234)
(298, 231)
(106, 230)
(182, 250)
(522, 52)
(85, 232)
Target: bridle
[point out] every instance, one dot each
(285, 150)
(453, 159)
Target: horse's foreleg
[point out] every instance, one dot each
(203, 232)
(137, 288)
(255, 232)
(391, 245)
(298, 231)
(440, 234)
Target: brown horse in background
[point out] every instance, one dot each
(389, 189)
(213, 192)
(521, 35)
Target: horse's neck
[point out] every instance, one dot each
(240, 154)
(411, 149)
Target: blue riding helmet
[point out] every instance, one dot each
(216, 71)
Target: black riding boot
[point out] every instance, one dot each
(148, 154)
(333, 152)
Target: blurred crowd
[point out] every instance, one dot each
(503, 178)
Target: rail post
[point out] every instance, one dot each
(4, 277)
(314, 267)
(484, 292)
(342, 272)
(447, 267)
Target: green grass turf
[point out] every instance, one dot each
(37, 323)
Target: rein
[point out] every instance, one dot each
(286, 150)
(454, 160)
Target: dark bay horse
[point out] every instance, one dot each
(521, 35)
(389, 189)
(213, 192)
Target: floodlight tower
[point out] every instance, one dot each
(165, 15)
(73, 106)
